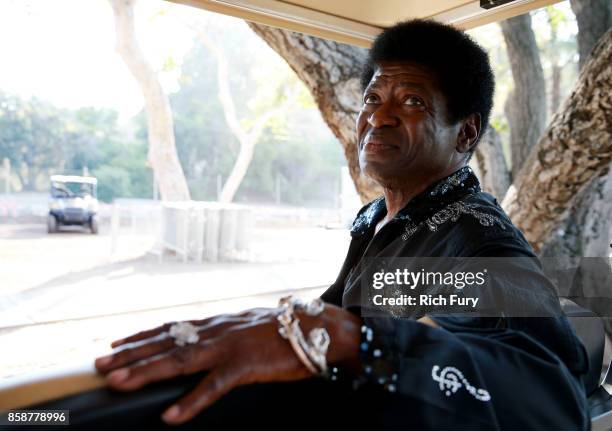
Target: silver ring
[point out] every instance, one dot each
(184, 333)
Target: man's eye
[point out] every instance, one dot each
(413, 101)
(370, 98)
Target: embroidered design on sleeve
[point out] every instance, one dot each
(451, 379)
(452, 212)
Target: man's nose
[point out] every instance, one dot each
(383, 116)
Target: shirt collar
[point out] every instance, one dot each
(438, 195)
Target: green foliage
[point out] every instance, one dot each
(306, 160)
(112, 182)
(40, 139)
(31, 136)
(125, 172)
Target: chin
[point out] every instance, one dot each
(379, 173)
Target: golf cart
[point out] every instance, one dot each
(73, 202)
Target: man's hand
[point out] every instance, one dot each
(236, 349)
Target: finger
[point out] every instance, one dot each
(152, 332)
(208, 328)
(242, 316)
(128, 356)
(184, 360)
(142, 335)
(216, 384)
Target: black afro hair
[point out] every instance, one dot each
(461, 66)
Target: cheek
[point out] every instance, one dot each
(362, 120)
(419, 130)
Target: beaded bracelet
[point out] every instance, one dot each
(379, 366)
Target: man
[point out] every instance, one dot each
(428, 92)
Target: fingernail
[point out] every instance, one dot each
(172, 413)
(116, 342)
(104, 360)
(119, 375)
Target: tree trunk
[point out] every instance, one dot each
(491, 164)
(241, 165)
(594, 18)
(557, 69)
(526, 104)
(331, 71)
(586, 231)
(162, 156)
(576, 149)
(555, 88)
(245, 154)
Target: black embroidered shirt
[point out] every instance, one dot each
(473, 372)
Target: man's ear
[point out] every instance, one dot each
(468, 133)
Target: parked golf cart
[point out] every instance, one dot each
(73, 202)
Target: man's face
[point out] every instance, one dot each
(402, 128)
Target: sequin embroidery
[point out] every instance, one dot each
(435, 197)
(452, 212)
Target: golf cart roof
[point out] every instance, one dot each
(73, 179)
(358, 22)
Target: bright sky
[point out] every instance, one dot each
(63, 51)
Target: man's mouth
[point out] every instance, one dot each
(377, 144)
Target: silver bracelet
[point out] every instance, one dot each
(311, 352)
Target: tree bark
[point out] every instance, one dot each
(576, 149)
(331, 71)
(491, 164)
(586, 231)
(526, 104)
(162, 156)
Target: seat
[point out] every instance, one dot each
(590, 330)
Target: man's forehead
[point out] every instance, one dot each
(408, 71)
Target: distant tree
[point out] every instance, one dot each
(491, 163)
(113, 182)
(40, 139)
(293, 150)
(594, 18)
(163, 157)
(32, 137)
(526, 104)
(247, 137)
(89, 133)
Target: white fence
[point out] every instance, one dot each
(193, 230)
(204, 230)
